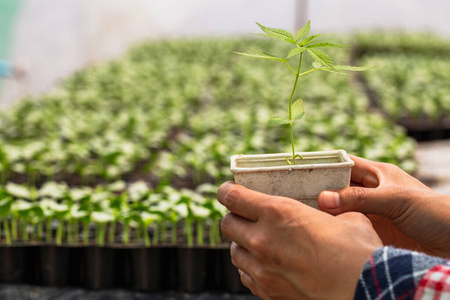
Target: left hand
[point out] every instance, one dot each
(287, 250)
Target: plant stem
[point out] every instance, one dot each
(112, 232)
(40, 230)
(7, 232)
(125, 234)
(25, 236)
(290, 107)
(69, 232)
(200, 233)
(14, 228)
(137, 235)
(290, 68)
(48, 231)
(214, 233)
(173, 231)
(76, 232)
(189, 233)
(146, 237)
(86, 233)
(59, 232)
(101, 234)
(155, 235)
(163, 231)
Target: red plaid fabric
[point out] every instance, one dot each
(397, 274)
(435, 284)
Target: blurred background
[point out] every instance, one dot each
(118, 118)
(57, 37)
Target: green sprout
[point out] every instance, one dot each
(303, 43)
(5, 211)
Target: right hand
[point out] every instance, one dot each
(404, 212)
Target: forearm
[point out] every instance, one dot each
(392, 273)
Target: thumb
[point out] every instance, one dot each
(388, 203)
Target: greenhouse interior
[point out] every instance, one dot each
(118, 120)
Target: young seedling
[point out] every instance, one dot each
(303, 43)
(101, 219)
(5, 211)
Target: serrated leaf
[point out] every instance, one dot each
(297, 109)
(261, 55)
(321, 57)
(274, 121)
(351, 68)
(296, 51)
(270, 56)
(313, 37)
(334, 71)
(276, 33)
(326, 45)
(303, 31)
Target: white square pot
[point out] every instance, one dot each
(271, 174)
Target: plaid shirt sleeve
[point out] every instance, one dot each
(392, 273)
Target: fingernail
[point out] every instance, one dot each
(330, 200)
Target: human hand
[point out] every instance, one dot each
(287, 250)
(404, 212)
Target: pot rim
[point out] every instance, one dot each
(344, 161)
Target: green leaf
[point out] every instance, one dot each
(261, 55)
(22, 205)
(317, 65)
(199, 211)
(321, 57)
(312, 37)
(5, 206)
(334, 71)
(326, 45)
(102, 217)
(296, 51)
(17, 190)
(303, 31)
(276, 33)
(297, 109)
(351, 68)
(274, 121)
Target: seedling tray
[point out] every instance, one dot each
(157, 268)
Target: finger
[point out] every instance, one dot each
(364, 172)
(355, 217)
(240, 200)
(241, 258)
(237, 229)
(250, 283)
(390, 202)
